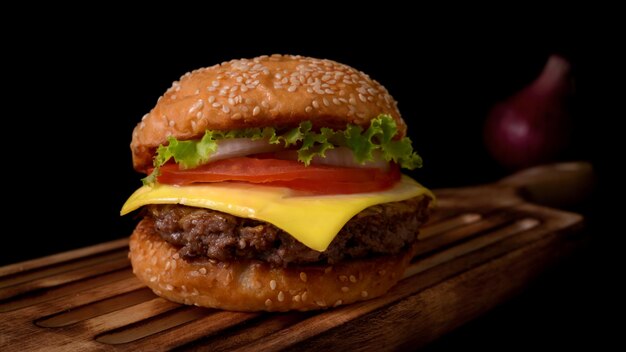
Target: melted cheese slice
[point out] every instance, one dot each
(312, 220)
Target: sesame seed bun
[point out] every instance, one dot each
(277, 91)
(248, 285)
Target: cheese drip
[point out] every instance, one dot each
(312, 220)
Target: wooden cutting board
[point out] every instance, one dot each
(482, 245)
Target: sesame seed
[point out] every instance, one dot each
(328, 270)
(153, 260)
(343, 278)
(202, 271)
(315, 104)
(273, 284)
(212, 261)
(291, 89)
(194, 273)
(265, 104)
(173, 97)
(176, 256)
(231, 101)
(296, 298)
(171, 123)
(215, 83)
(167, 265)
(268, 302)
(305, 295)
(320, 303)
(362, 98)
(211, 89)
(303, 276)
(197, 92)
(352, 279)
(173, 264)
(169, 287)
(360, 114)
(281, 296)
(326, 102)
(195, 292)
(236, 116)
(364, 294)
(338, 303)
(153, 279)
(225, 108)
(308, 109)
(329, 91)
(216, 105)
(244, 89)
(345, 289)
(256, 111)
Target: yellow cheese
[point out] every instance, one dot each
(312, 220)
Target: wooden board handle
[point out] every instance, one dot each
(558, 185)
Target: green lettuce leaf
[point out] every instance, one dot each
(378, 136)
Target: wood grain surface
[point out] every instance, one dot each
(482, 245)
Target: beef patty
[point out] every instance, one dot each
(378, 230)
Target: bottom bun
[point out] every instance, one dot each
(250, 285)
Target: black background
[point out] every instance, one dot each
(74, 102)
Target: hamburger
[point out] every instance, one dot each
(274, 184)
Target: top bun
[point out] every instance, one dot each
(278, 91)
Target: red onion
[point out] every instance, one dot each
(532, 126)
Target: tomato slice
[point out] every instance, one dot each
(319, 179)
